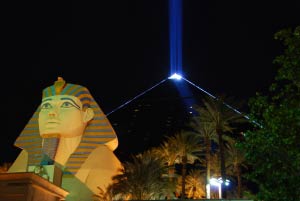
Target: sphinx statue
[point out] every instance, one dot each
(69, 130)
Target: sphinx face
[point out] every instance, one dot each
(61, 115)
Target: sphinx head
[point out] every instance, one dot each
(63, 113)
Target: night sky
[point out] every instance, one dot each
(117, 49)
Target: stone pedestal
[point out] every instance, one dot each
(29, 187)
(51, 173)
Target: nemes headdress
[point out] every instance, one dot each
(98, 131)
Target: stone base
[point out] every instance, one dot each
(29, 187)
(51, 173)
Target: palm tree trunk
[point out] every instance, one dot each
(171, 172)
(222, 159)
(194, 190)
(239, 180)
(183, 172)
(207, 155)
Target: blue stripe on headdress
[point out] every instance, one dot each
(52, 90)
(99, 130)
(46, 92)
(75, 162)
(100, 118)
(79, 156)
(100, 124)
(87, 147)
(81, 153)
(81, 92)
(32, 128)
(85, 98)
(76, 88)
(66, 88)
(85, 105)
(101, 136)
(94, 142)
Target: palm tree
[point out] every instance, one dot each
(168, 153)
(235, 160)
(208, 134)
(186, 146)
(195, 185)
(216, 113)
(215, 172)
(140, 179)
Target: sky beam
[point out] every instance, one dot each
(137, 96)
(175, 33)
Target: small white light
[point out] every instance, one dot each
(214, 182)
(175, 76)
(219, 181)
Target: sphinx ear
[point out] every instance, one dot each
(88, 115)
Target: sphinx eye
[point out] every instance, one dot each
(67, 104)
(46, 106)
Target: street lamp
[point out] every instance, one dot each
(218, 182)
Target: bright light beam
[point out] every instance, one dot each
(175, 76)
(136, 97)
(227, 105)
(175, 33)
(199, 88)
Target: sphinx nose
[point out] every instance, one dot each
(53, 113)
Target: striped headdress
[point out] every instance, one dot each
(98, 131)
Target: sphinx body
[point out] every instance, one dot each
(70, 131)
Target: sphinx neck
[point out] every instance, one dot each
(65, 148)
